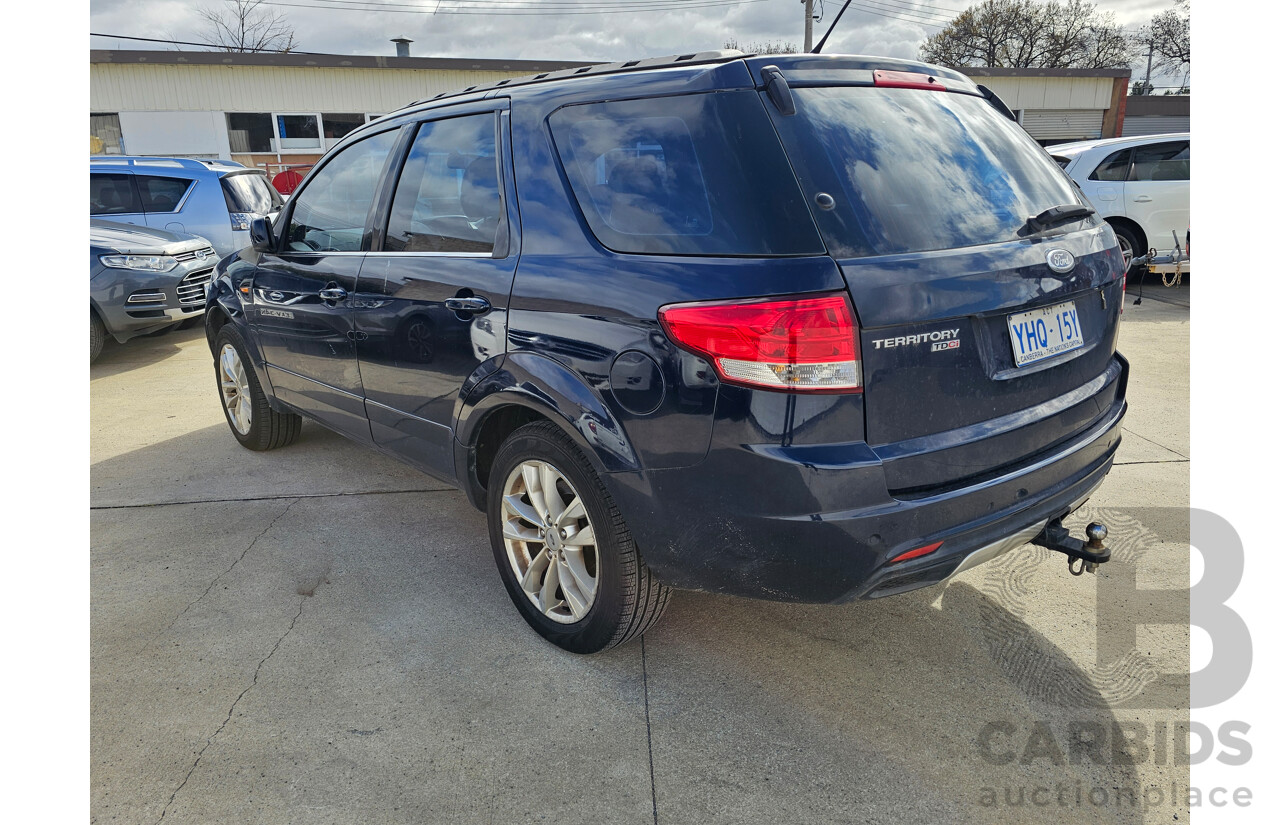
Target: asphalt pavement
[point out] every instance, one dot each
(318, 635)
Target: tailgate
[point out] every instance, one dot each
(976, 354)
(946, 401)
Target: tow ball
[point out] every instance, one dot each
(1089, 553)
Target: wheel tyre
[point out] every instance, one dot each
(97, 336)
(267, 428)
(628, 600)
(1128, 243)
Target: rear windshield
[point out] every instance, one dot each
(913, 170)
(250, 192)
(696, 174)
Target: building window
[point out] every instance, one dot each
(104, 134)
(338, 126)
(298, 132)
(250, 132)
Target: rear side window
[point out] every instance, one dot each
(690, 175)
(112, 195)
(250, 192)
(162, 194)
(910, 170)
(1114, 168)
(330, 213)
(1162, 161)
(448, 198)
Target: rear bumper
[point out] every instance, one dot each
(717, 526)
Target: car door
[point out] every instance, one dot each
(113, 196)
(302, 314)
(1158, 192)
(433, 297)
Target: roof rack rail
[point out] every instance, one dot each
(694, 59)
(184, 163)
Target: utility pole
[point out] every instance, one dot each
(808, 25)
(1146, 84)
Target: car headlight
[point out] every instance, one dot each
(144, 263)
(240, 220)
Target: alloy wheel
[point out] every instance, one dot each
(1126, 250)
(550, 543)
(236, 396)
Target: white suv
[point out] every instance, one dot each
(1140, 185)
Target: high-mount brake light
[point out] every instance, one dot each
(801, 344)
(908, 80)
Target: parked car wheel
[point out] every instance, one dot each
(252, 421)
(564, 552)
(97, 336)
(1129, 246)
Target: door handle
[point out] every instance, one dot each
(1142, 199)
(475, 305)
(333, 293)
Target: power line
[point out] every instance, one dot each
(631, 7)
(212, 46)
(445, 5)
(866, 10)
(905, 15)
(918, 8)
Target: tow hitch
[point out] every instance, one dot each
(1090, 554)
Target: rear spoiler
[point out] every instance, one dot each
(994, 99)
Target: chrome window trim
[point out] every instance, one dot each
(394, 253)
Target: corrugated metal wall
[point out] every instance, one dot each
(1063, 124)
(140, 87)
(1155, 125)
(1031, 93)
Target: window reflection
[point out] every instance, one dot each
(918, 170)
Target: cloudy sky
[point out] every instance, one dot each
(563, 29)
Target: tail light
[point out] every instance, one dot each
(803, 344)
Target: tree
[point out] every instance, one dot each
(767, 47)
(1168, 39)
(242, 26)
(1059, 34)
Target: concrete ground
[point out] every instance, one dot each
(318, 634)
(1151, 287)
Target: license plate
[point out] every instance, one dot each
(1045, 332)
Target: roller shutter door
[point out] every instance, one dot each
(1063, 124)
(1156, 125)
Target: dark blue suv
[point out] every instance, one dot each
(805, 328)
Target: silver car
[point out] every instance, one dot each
(215, 199)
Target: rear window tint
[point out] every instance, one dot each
(689, 175)
(112, 195)
(1162, 161)
(1115, 167)
(250, 192)
(912, 170)
(161, 194)
(448, 198)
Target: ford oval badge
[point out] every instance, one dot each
(1060, 260)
